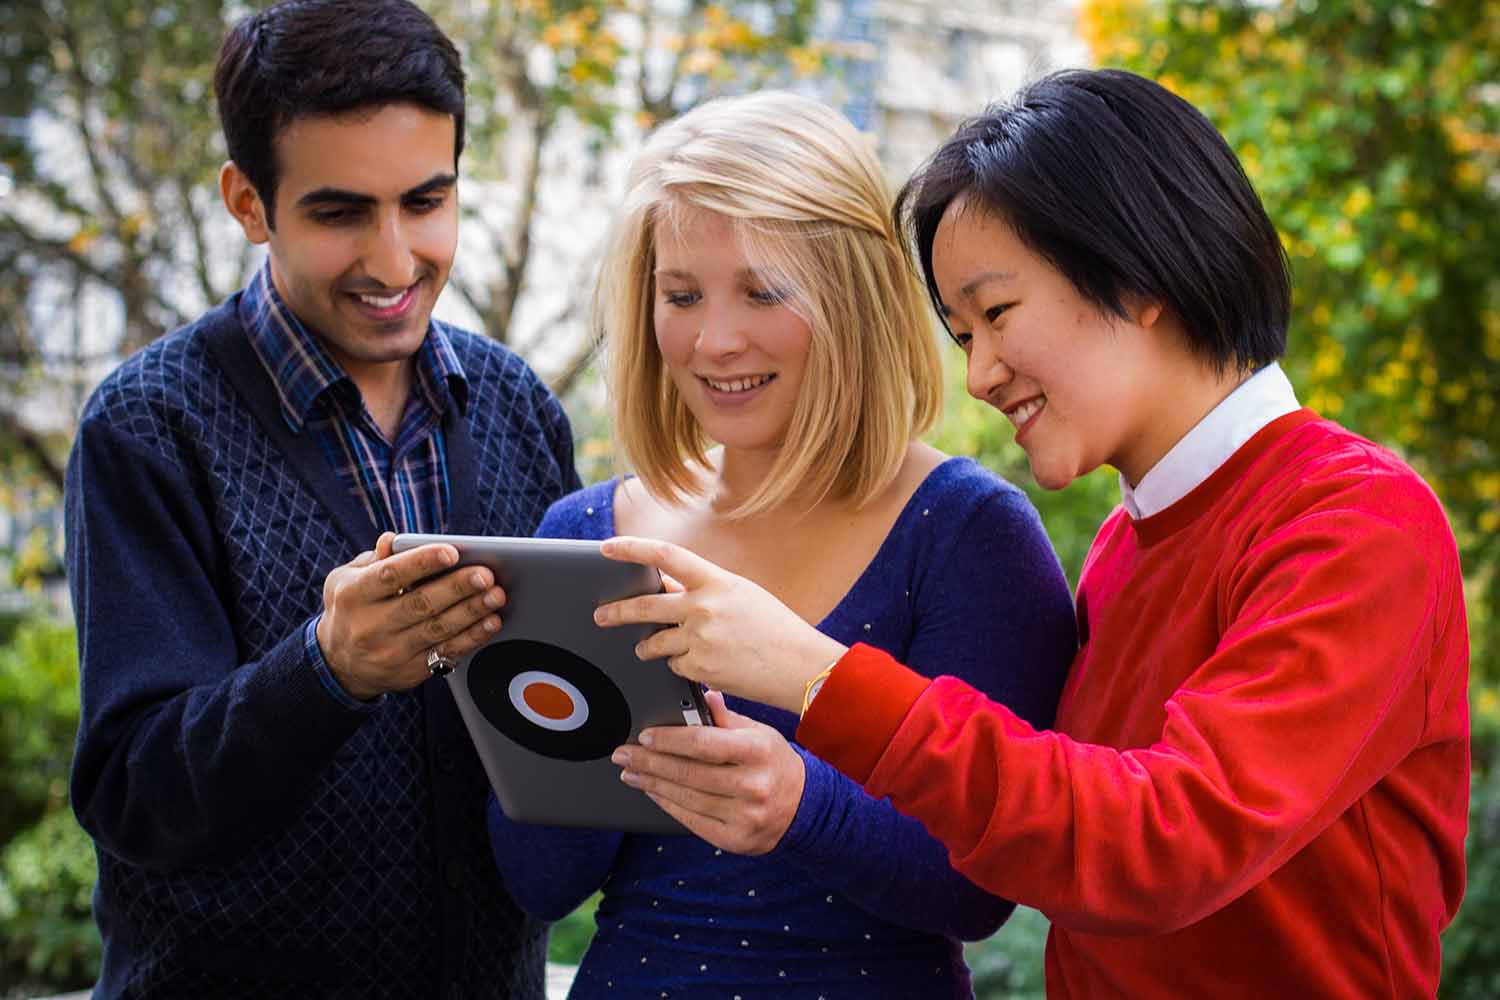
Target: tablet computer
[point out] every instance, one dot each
(552, 695)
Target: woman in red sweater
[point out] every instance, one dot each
(1258, 780)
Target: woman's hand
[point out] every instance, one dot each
(725, 631)
(737, 784)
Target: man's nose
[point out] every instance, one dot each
(388, 256)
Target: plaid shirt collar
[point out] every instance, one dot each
(303, 371)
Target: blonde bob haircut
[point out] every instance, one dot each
(808, 202)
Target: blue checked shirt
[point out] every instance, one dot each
(403, 485)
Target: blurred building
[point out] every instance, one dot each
(918, 67)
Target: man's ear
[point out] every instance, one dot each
(243, 202)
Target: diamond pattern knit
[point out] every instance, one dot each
(255, 837)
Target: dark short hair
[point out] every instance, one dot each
(1126, 189)
(326, 57)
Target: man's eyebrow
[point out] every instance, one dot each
(330, 195)
(338, 196)
(436, 182)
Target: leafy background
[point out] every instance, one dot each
(1368, 126)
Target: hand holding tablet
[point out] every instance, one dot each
(552, 695)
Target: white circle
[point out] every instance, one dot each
(526, 678)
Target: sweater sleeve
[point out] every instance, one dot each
(550, 870)
(1012, 638)
(186, 753)
(1318, 688)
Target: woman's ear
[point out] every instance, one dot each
(1146, 312)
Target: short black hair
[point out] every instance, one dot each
(1126, 189)
(327, 57)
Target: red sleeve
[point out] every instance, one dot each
(1345, 637)
(859, 709)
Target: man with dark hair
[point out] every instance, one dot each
(283, 802)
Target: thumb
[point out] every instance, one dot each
(722, 716)
(383, 544)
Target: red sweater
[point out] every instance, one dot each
(1258, 784)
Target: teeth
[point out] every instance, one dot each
(382, 303)
(739, 384)
(1025, 412)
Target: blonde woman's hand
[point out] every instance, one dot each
(737, 784)
(722, 629)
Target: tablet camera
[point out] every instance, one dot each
(548, 699)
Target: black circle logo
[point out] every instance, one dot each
(549, 699)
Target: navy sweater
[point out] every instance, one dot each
(857, 901)
(256, 837)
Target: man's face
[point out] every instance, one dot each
(366, 228)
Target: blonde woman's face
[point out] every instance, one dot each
(734, 348)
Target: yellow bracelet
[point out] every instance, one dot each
(813, 686)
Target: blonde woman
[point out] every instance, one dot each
(772, 366)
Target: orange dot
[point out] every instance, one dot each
(548, 700)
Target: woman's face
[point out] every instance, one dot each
(1080, 387)
(734, 348)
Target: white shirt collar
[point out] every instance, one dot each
(1259, 400)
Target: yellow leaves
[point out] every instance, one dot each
(1328, 360)
(806, 60)
(1487, 485)
(1406, 220)
(1326, 401)
(1492, 336)
(1392, 381)
(83, 239)
(1357, 201)
(701, 61)
(1486, 702)
(131, 225)
(565, 33)
(1466, 140)
(1106, 26)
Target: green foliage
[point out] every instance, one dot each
(1008, 966)
(38, 719)
(1471, 946)
(1370, 129)
(571, 935)
(47, 933)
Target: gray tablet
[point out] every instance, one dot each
(548, 700)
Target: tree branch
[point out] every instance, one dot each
(195, 231)
(83, 95)
(506, 289)
(29, 443)
(577, 364)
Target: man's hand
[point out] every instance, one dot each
(382, 613)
